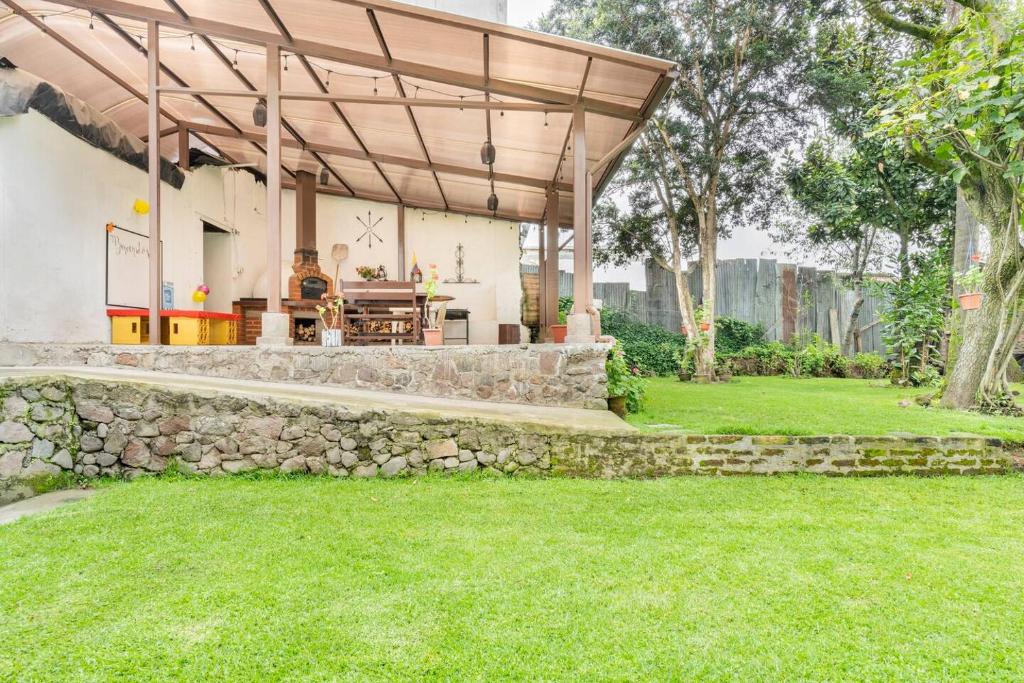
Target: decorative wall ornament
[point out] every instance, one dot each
(370, 232)
(460, 267)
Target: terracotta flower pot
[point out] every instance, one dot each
(704, 327)
(970, 302)
(617, 404)
(558, 333)
(685, 330)
(433, 337)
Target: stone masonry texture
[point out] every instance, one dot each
(571, 376)
(102, 428)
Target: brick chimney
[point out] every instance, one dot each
(308, 280)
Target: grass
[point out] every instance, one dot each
(807, 407)
(790, 578)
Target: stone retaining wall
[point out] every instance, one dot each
(96, 428)
(540, 374)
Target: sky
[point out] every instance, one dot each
(522, 12)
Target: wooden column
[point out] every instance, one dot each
(402, 273)
(153, 124)
(552, 250)
(273, 179)
(305, 210)
(583, 265)
(183, 161)
(542, 267)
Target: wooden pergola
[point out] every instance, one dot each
(379, 100)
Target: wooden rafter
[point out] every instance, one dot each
(406, 162)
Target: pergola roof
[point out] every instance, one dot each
(375, 54)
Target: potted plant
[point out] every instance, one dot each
(559, 331)
(970, 281)
(701, 314)
(433, 335)
(684, 363)
(626, 387)
(724, 370)
(331, 316)
(368, 273)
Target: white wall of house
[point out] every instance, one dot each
(57, 193)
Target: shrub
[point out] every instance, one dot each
(623, 381)
(868, 366)
(732, 335)
(773, 358)
(648, 347)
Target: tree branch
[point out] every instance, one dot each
(886, 18)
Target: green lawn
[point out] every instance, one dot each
(786, 578)
(785, 405)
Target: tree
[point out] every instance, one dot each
(702, 168)
(959, 109)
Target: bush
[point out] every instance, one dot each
(732, 335)
(773, 358)
(650, 348)
(868, 366)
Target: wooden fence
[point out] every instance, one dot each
(785, 299)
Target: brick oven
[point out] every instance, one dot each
(307, 284)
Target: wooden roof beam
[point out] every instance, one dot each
(405, 162)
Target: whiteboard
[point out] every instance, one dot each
(128, 268)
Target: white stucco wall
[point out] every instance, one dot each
(57, 193)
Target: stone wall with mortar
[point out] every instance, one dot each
(96, 428)
(570, 376)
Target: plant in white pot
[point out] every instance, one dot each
(331, 316)
(433, 335)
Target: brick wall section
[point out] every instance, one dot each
(571, 376)
(98, 428)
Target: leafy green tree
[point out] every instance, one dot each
(701, 170)
(959, 109)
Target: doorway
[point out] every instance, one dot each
(217, 268)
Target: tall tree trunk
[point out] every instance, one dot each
(978, 378)
(904, 254)
(708, 260)
(852, 332)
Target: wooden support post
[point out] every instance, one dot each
(183, 161)
(305, 210)
(273, 179)
(542, 299)
(402, 273)
(581, 330)
(153, 121)
(552, 250)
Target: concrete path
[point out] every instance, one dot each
(578, 419)
(43, 503)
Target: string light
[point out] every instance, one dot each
(462, 98)
(375, 86)
(235, 63)
(91, 26)
(285, 61)
(192, 39)
(327, 83)
(545, 119)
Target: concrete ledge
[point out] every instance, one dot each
(533, 374)
(101, 422)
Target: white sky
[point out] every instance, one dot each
(522, 12)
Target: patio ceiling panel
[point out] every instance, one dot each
(326, 21)
(244, 13)
(417, 187)
(513, 60)
(431, 44)
(384, 130)
(362, 176)
(515, 201)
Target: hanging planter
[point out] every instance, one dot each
(705, 327)
(685, 330)
(970, 302)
